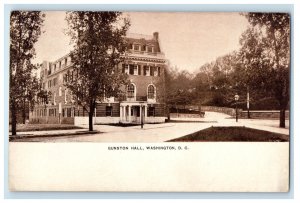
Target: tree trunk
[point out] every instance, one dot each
(168, 113)
(90, 121)
(282, 118)
(91, 113)
(24, 113)
(13, 120)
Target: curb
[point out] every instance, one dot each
(24, 136)
(191, 121)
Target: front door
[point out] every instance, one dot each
(135, 114)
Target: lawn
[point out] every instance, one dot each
(42, 127)
(232, 134)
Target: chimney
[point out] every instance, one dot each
(155, 35)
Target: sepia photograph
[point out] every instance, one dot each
(149, 77)
(144, 83)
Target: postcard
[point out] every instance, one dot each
(149, 101)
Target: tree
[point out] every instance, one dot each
(25, 29)
(266, 55)
(98, 47)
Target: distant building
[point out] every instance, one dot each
(144, 63)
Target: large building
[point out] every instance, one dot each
(144, 63)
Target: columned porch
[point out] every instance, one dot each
(133, 112)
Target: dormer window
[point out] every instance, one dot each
(150, 49)
(136, 47)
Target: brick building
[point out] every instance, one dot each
(144, 63)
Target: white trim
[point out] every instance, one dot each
(66, 92)
(54, 98)
(59, 91)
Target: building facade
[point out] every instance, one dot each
(144, 63)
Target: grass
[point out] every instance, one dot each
(42, 127)
(232, 134)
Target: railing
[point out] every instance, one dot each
(133, 52)
(137, 98)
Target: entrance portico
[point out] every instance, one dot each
(133, 112)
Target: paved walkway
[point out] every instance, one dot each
(156, 132)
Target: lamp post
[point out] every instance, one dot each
(248, 102)
(142, 116)
(236, 98)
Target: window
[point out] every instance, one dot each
(131, 69)
(147, 70)
(151, 111)
(151, 92)
(130, 46)
(71, 76)
(136, 47)
(125, 68)
(49, 83)
(152, 71)
(66, 61)
(108, 110)
(59, 64)
(67, 112)
(139, 70)
(130, 91)
(54, 81)
(52, 112)
(135, 71)
(65, 78)
(150, 48)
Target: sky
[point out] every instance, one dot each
(188, 39)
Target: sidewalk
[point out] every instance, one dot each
(151, 132)
(50, 133)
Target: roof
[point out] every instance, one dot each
(139, 36)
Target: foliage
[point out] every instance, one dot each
(98, 46)
(25, 29)
(266, 55)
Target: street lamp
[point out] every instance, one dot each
(142, 115)
(236, 98)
